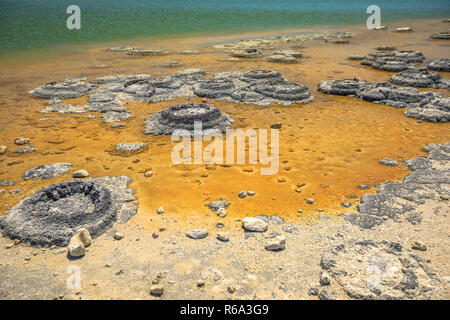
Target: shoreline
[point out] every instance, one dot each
(198, 39)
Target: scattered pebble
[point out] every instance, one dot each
(21, 141)
(325, 278)
(197, 233)
(309, 201)
(346, 204)
(80, 174)
(222, 212)
(160, 210)
(118, 236)
(156, 290)
(242, 194)
(419, 245)
(276, 244)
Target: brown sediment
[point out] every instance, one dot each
(331, 144)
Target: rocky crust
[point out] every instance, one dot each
(181, 117)
(70, 88)
(370, 270)
(420, 77)
(52, 215)
(405, 200)
(428, 106)
(47, 172)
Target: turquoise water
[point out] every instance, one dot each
(29, 24)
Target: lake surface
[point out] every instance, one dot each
(30, 24)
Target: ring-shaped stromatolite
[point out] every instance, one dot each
(70, 88)
(53, 214)
(183, 116)
(286, 91)
(214, 88)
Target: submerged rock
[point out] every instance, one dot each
(62, 109)
(197, 233)
(43, 172)
(282, 58)
(179, 119)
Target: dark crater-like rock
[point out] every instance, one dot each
(70, 88)
(419, 78)
(182, 117)
(440, 65)
(52, 215)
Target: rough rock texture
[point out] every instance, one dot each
(218, 204)
(419, 77)
(47, 171)
(246, 53)
(422, 105)
(379, 270)
(62, 109)
(440, 65)
(52, 215)
(285, 58)
(398, 60)
(70, 88)
(181, 117)
(127, 147)
(404, 200)
(444, 35)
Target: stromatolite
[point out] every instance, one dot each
(52, 215)
(182, 117)
(419, 77)
(70, 88)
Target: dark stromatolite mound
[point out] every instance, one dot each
(402, 200)
(398, 60)
(52, 215)
(440, 65)
(189, 76)
(260, 75)
(342, 87)
(214, 88)
(433, 110)
(444, 35)
(182, 117)
(70, 88)
(284, 91)
(422, 105)
(419, 78)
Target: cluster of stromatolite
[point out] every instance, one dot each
(180, 120)
(427, 106)
(260, 87)
(420, 77)
(52, 215)
(398, 60)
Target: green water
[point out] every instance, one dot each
(29, 24)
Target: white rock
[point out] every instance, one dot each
(80, 174)
(254, 224)
(277, 243)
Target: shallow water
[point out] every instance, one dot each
(29, 24)
(332, 144)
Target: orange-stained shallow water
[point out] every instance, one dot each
(331, 144)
